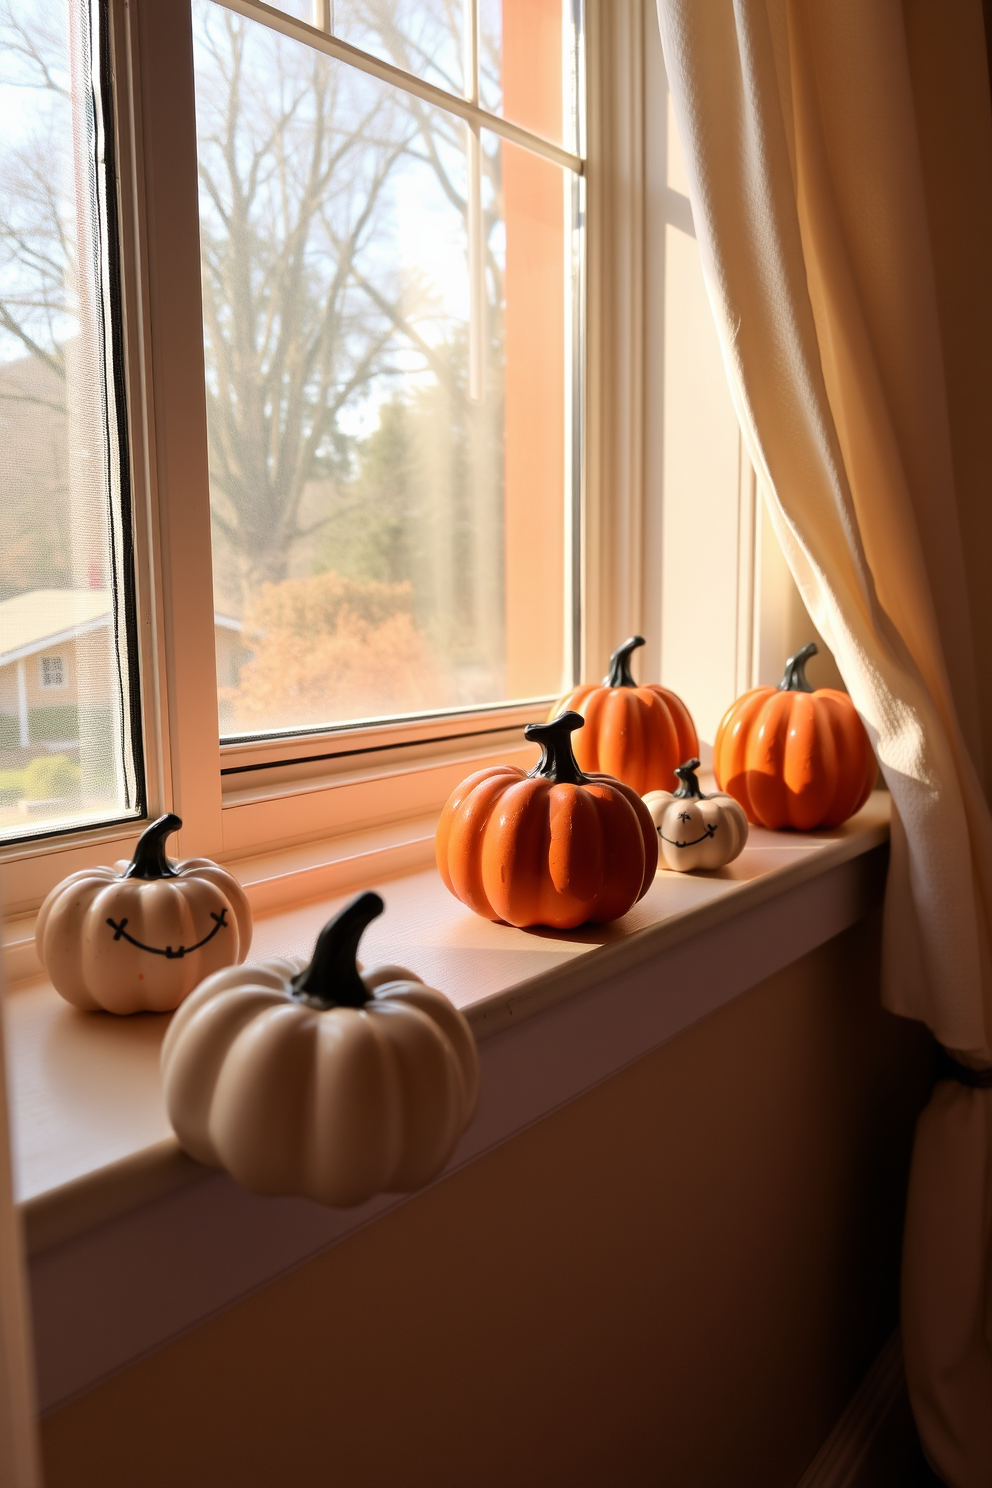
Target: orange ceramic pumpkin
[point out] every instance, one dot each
(794, 757)
(638, 734)
(555, 847)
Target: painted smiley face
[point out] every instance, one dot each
(708, 832)
(171, 953)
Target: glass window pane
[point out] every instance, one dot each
(387, 404)
(528, 65)
(68, 714)
(425, 37)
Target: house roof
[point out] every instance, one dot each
(41, 618)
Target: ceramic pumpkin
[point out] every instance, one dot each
(139, 937)
(794, 757)
(321, 1080)
(694, 830)
(637, 734)
(555, 847)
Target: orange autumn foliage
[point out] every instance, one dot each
(328, 648)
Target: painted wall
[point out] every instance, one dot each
(678, 1278)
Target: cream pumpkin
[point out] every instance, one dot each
(320, 1080)
(140, 936)
(694, 830)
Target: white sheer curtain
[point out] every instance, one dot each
(808, 132)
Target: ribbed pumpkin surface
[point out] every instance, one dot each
(795, 759)
(637, 734)
(530, 851)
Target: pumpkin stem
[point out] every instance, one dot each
(620, 674)
(149, 859)
(557, 762)
(332, 979)
(795, 670)
(689, 789)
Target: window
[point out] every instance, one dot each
(52, 671)
(389, 293)
(371, 562)
(305, 480)
(65, 518)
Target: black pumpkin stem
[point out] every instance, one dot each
(332, 979)
(689, 789)
(620, 674)
(557, 763)
(149, 859)
(795, 670)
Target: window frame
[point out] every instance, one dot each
(187, 769)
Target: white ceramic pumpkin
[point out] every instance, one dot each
(694, 830)
(320, 1080)
(138, 937)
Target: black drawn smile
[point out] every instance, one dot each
(167, 951)
(707, 834)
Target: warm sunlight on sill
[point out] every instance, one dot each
(91, 1134)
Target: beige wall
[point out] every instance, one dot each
(676, 1279)
(38, 696)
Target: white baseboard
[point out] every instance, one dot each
(840, 1459)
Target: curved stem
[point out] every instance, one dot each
(557, 762)
(149, 859)
(795, 670)
(620, 674)
(332, 979)
(690, 785)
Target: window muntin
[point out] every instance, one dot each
(389, 304)
(73, 760)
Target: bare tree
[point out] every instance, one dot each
(292, 170)
(37, 247)
(309, 313)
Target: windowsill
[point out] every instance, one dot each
(87, 1100)
(94, 1153)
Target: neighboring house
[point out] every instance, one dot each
(55, 647)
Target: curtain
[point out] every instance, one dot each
(839, 155)
(18, 1445)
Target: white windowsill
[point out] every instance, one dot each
(98, 1171)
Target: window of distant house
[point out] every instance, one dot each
(390, 293)
(52, 669)
(64, 513)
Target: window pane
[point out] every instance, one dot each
(528, 65)
(425, 37)
(388, 443)
(67, 684)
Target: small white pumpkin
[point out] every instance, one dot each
(696, 831)
(318, 1080)
(138, 937)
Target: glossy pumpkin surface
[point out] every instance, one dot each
(321, 1080)
(636, 734)
(138, 937)
(555, 847)
(794, 757)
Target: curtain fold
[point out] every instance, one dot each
(801, 131)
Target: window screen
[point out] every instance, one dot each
(69, 751)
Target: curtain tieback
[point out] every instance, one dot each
(949, 1068)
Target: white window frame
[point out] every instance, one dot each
(326, 785)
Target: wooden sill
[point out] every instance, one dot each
(95, 1160)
